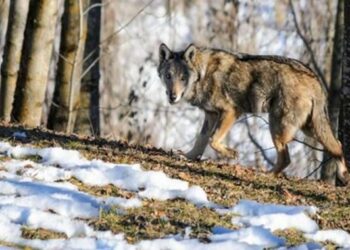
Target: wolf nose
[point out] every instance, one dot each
(172, 98)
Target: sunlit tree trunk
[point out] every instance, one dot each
(32, 94)
(12, 56)
(4, 14)
(110, 94)
(88, 119)
(346, 85)
(328, 172)
(53, 66)
(66, 96)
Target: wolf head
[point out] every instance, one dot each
(174, 71)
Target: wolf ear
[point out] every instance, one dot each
(190, 52)
(164, 53)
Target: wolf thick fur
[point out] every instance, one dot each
(226, 85)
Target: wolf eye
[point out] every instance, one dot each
(183, 78)
(168, 76)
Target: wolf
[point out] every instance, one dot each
(225, 85)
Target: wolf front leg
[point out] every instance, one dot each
(203, 137)
(227, 118)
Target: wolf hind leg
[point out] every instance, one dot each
(227, 118)
(280, 137)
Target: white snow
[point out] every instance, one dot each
(251, 235)
(38, 195)
(36, 218)
(195, 194)
(277, 221)
(337, 236)
(193, 244)
(273, 216)
(60, 164)
(59, 198)
(253, 208)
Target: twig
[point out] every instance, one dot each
(89, 67)
(310, 146)
(127, 23)
(113, 34)
(264, 149)
(251, 137)
(96, 5)
(307, 45)
(319, 166)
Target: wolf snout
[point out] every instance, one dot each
(172, 97)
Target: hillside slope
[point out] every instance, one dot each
(223, 184)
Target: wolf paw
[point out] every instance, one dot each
(344, 178)
(180, 155)
(192, 157)
(279, 174)
(231, 153)
(224, 151)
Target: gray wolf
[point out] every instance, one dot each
(225, 85)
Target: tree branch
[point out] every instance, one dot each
(253, 140)
(308, 47)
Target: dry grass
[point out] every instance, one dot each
(42, 234)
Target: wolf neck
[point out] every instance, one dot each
(199, 66)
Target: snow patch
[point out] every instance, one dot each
(272, 216)
(252, 235)
(277, 221)
(337, 236)
(61, 164)
(253, 208)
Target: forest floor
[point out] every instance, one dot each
(224, 184)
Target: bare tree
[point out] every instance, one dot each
(53, 66)
(335, 86)
(67, 91)
(88, 118)
(31, 95)
(346, 84)
(4, 13)
(328, 171)
(12, 56)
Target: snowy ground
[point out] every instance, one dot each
(37, 195)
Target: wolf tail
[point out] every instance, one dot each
(324, 134)
(323, 131)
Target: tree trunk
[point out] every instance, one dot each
(51, 82)
(346, 85)
(4, 14)
(328, 172)
(88, 120)
(30, 97)
(67, 92)
(12, 56)
(336, 72)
